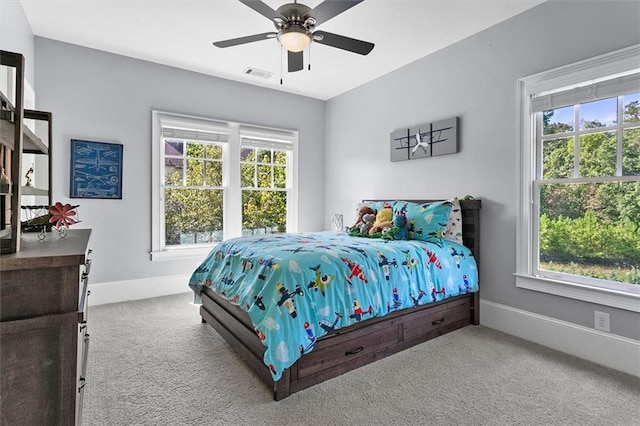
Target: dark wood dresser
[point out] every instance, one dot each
(43, 329)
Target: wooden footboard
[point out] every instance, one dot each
(351, 347)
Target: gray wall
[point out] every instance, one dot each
(16, 35)
(105, 97)
(475, 79)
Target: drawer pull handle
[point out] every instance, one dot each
(354, 351)
(437, 322)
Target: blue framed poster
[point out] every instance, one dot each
(96, 169)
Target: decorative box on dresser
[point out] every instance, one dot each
(43, 329)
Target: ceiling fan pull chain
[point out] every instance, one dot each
(281, 66)
(309, 58)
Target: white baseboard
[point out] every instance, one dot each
(617, 352)
(145, 288)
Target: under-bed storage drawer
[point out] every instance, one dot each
(332, 354)
(436, 321)
(340, 352)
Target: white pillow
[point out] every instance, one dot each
(454, 226)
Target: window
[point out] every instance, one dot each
(264, 182)
(193, 188)
(217, 180)
(579, 221)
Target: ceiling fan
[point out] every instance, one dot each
(295, 24)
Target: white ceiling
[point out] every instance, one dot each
(181, 33)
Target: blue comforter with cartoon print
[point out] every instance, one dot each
(298, 287)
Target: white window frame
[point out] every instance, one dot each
(277, 140)
(620, 62)
(231, 178)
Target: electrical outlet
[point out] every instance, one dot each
(602, 321)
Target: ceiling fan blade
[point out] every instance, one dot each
(342, 42)
(330, 8)
(243, 40)
(295, 61)
(263, 9)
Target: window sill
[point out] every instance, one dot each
(181, 253)
(629, 301)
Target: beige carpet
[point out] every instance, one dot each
(152, 362)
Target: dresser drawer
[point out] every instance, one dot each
(87, 262)
(330, 356)
(37, 365)
(39, 291)
(83, 297)
(81, 372)
(83, 350)
(83, 291)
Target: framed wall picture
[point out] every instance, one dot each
(96, 169)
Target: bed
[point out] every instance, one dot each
(336, 335)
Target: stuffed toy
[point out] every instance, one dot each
(384, 220)
(397, 231)
(362, 230)
(367, 223)
(400, 222)
(361, 212)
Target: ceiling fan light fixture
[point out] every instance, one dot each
(294, 39)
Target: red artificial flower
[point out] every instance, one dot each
(62, 215)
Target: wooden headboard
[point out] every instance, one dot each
(471, 226)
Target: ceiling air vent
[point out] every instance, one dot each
(258, 73)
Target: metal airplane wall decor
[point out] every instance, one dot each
(426, 140)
